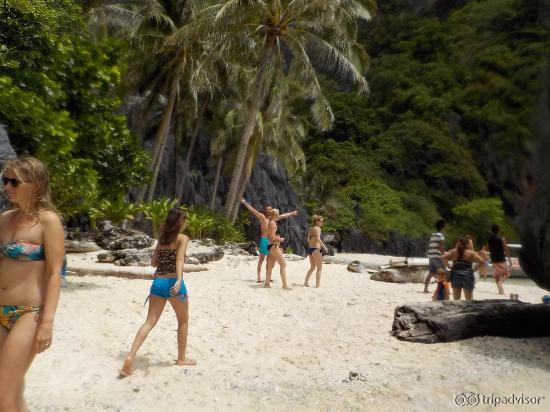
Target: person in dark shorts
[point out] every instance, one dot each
(436, 248)
(462, 273)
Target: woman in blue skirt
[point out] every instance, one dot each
(168, 285)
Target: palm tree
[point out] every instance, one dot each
(280, 133)
(160, 68)
(298, 28)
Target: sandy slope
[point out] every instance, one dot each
(271, 350)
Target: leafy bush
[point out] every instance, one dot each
(157, 210)
(58, 100)
(117, 211)
(476, 218)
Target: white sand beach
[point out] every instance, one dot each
(272, 350)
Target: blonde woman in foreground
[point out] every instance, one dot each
(168, 285)
(31, 255)
(314, 250)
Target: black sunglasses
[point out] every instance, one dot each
(13, 182)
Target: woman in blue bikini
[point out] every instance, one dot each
(168, 285)
(314, 250)
(31, 254)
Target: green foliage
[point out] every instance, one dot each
(157, 210)
(58, 101)
(198, 221)
(453, 88)
(476, 218)
(117, 211)
(203, 223)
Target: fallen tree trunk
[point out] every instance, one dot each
(447, 321)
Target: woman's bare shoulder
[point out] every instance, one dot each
(183, 238)
(49, 217)
(6, 214)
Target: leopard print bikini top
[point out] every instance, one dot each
(167, 262)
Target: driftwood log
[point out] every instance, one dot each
(447, 321)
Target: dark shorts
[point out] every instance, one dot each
(435, 264)
(462, 279)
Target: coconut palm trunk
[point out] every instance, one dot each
(243, 182)
(216, 181)
(194, 136)
(160, 142)
(249, 125)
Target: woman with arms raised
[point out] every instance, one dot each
(168, 285)
(31, 255)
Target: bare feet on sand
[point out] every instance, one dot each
(186, 362)
(126, 369)
(306, 285)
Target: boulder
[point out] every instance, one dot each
(189, 260)
(534, 221)
(114, 238)
(214, 253)
(80, 246)
(404, 274)
(356, 267)
(133, 257)
(107, 257)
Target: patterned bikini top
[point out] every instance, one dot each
(22, 250)
(167, 262)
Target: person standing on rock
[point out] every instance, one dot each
(436, 248)
(498, 249)
(462, 273)
(168, 285)
(263, 219)
(31, 255)
(314, 250)
(275, 251)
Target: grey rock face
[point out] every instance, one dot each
(353, 240)
(6, 152)
(534, 221)
(269, 183)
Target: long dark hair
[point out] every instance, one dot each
(172, 226)
(462, 246)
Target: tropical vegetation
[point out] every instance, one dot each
(441, 130)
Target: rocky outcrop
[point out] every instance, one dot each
(115, 238)
(269, 184)
(355, 241)
(6, 152)
(534, 221)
